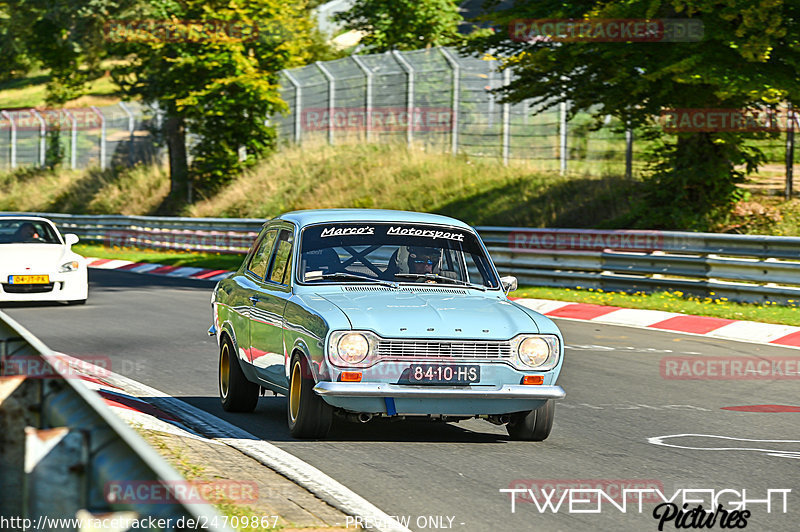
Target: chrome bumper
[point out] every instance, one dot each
(376, 389)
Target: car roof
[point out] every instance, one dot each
(309, 217)
(29, 217)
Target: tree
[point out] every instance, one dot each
(16, 62)
(65, 37)
(748, 56)
(211, 66)
(403, 24)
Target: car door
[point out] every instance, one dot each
(266, 313)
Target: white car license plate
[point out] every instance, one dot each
(28, 279)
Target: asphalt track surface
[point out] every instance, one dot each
(153, 329)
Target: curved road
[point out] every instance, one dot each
(154, 330)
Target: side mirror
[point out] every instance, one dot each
(509, 283)
(71, 238)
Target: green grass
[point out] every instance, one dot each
(31, 91)
(393, 176)
(212, 261)
(390, 176)
(671, 302)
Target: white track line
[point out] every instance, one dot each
(288, 465)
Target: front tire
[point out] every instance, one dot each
(534, 425)
(236, 392)
(309, 416)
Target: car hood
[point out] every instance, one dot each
(24, 258)
(413, 314)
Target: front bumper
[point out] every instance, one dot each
(468, 401)
(397, 391)
(69, 286)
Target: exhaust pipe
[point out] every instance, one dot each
(365, 418)
(501, 419)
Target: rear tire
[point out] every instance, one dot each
(236, 392)
(309, 416)
(534, 425)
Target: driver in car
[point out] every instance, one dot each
(26, 232)
(423, 260)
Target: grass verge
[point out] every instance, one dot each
(212, 261)
(665, 301)
(387, 176)
(670, 302)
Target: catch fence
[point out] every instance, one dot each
(436, 97)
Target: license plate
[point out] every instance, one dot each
(28, 279)
(441, 374)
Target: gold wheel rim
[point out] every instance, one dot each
(224, 371)
(294, 392)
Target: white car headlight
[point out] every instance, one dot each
(537, 352)
(351, 348)
(69, 266)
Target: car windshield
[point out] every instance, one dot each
(23, 231)
(395, 252)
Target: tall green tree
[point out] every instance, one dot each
(404, 24)
(63, 36)
(748, 56)
(16, 62)
(220, 85)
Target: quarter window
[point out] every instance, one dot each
(260, 261)
(283, 259)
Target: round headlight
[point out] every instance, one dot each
(534, 351)
(353, 348)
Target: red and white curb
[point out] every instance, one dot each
(132, 410)
(158, 269)
(165, 413)
(744, 331)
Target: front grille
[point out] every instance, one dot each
(27, 288)
(440, 349)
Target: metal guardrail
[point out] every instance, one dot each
(62, 446)
(750, 268)
(216, 235)
(739, 267)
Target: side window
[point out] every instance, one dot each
(282, 266)
(260, 261)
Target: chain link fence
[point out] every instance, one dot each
(120, 134)
(434, 97)
(440, 98)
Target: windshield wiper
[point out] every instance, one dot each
(350, 276)
(437, 277)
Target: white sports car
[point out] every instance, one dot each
(37, 264)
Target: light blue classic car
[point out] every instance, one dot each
(365, 313)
